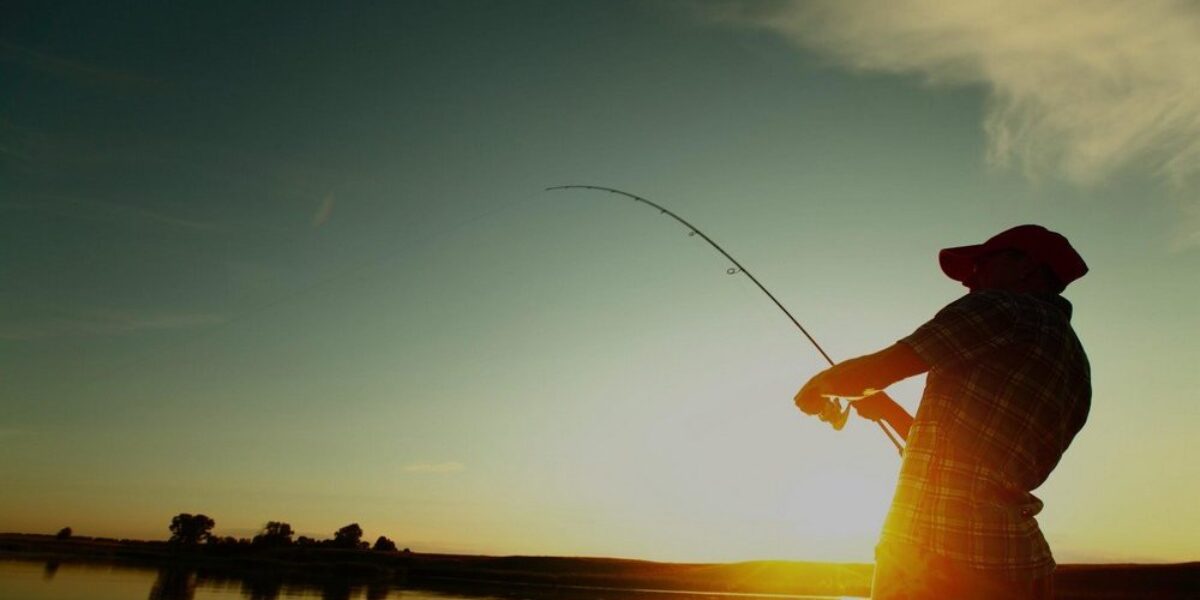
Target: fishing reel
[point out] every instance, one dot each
(828, 408)
(834, 413)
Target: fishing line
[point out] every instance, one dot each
(837, 418)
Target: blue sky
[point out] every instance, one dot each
(298, 265)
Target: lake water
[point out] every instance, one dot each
(33, 580)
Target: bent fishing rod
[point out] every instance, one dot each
(833, 414)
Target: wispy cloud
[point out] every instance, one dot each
(11, 432)
(321, 216)
(1081, 87)
(95, 210)
(443, 467)
(1077, 89)
(292, 187)
(70, 69)
(100, 322)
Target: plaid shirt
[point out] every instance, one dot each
(1008, 388)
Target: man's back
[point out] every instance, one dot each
(1008, 389)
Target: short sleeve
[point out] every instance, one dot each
(967, 329)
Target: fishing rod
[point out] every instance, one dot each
(833, 412)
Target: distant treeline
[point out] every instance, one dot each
(192, 530)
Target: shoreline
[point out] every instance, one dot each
(783, 579)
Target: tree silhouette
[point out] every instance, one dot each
(384, 545)
(190, 529)
(64, 533)
(274, 533)
(348, 536)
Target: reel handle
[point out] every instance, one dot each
(834, 414)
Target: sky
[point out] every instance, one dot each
(299, 265)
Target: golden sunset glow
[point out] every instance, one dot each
(299, 265)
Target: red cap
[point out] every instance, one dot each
(1037, 242)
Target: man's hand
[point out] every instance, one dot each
(875, 407)
(880, 407)
(811, 398)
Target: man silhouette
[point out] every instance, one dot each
(1008, 388)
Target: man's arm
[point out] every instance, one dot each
(866, 376)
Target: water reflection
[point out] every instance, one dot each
(261, 587)
(174, 583)
(378, 591)
(335, 590)
(181, 584)
(48, 580)
(341, 589)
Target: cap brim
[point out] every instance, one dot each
(959, 263)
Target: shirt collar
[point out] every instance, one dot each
(1062, 304)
